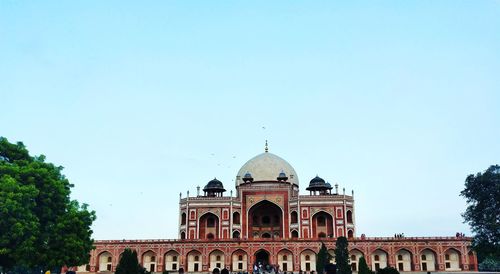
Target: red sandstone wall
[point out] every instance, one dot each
(438, 245)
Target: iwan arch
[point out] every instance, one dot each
(268, 221)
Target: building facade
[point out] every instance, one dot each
(267, 221)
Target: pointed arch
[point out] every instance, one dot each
(216, 259)
(263, 256)
(428, 259)
(236, 218)
(350, 233)
(308, 260)
(349, 216)
(294, 217)
(148, 260)
(285, 259)
(322, 224)
(105, 261)
(404, 259)
(239, 260)
(428, 248)
(208, 226)
(452, 259)
(379, 258)
(236, 234)
(265, 216)
(194, 261)
(354, 256)
(183, 218)
(172, 260)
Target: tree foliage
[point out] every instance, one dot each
(363, 266)
(322, 259)
(482, 192)
(41, 226)
(388, 270)
(342, 256)
(490, 264)
(129, 264)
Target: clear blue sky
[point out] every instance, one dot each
(398, 100)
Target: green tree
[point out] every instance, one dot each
(41, 226)
(129, 264)
(388, 270)
(18, 221)
(490, 264)
(363, 267)
(342, 256)
(482, 192)
(322, 259)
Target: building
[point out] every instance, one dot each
(268, 221)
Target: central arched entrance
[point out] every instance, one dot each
(322, 225)
(262, 257)
(265, 220)
(209, 226)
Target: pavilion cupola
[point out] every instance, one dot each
(282, 177)
(318, 186)
(214, 188)
(247, 178)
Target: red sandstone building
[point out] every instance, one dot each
(268, 221)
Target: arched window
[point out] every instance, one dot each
(183, 218)
(295, 234)
(307, 257)
(240, 257)
(424, 257)
(285, 257)
(349, 216)
(236, 218)
(400, 257)
(174, 258)
(266, 235)
(350, 234)
(217, 258)
(321, 235)
(196, 258)
(210, 236)
(377, 258)
(183, 235)
(353, 258)
(293, 217)
(236, 234)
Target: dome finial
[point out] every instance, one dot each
(266, 148)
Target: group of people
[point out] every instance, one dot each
(400, 235)
(460, 235)
(262, 268)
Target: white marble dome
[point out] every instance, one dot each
(267, 167)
